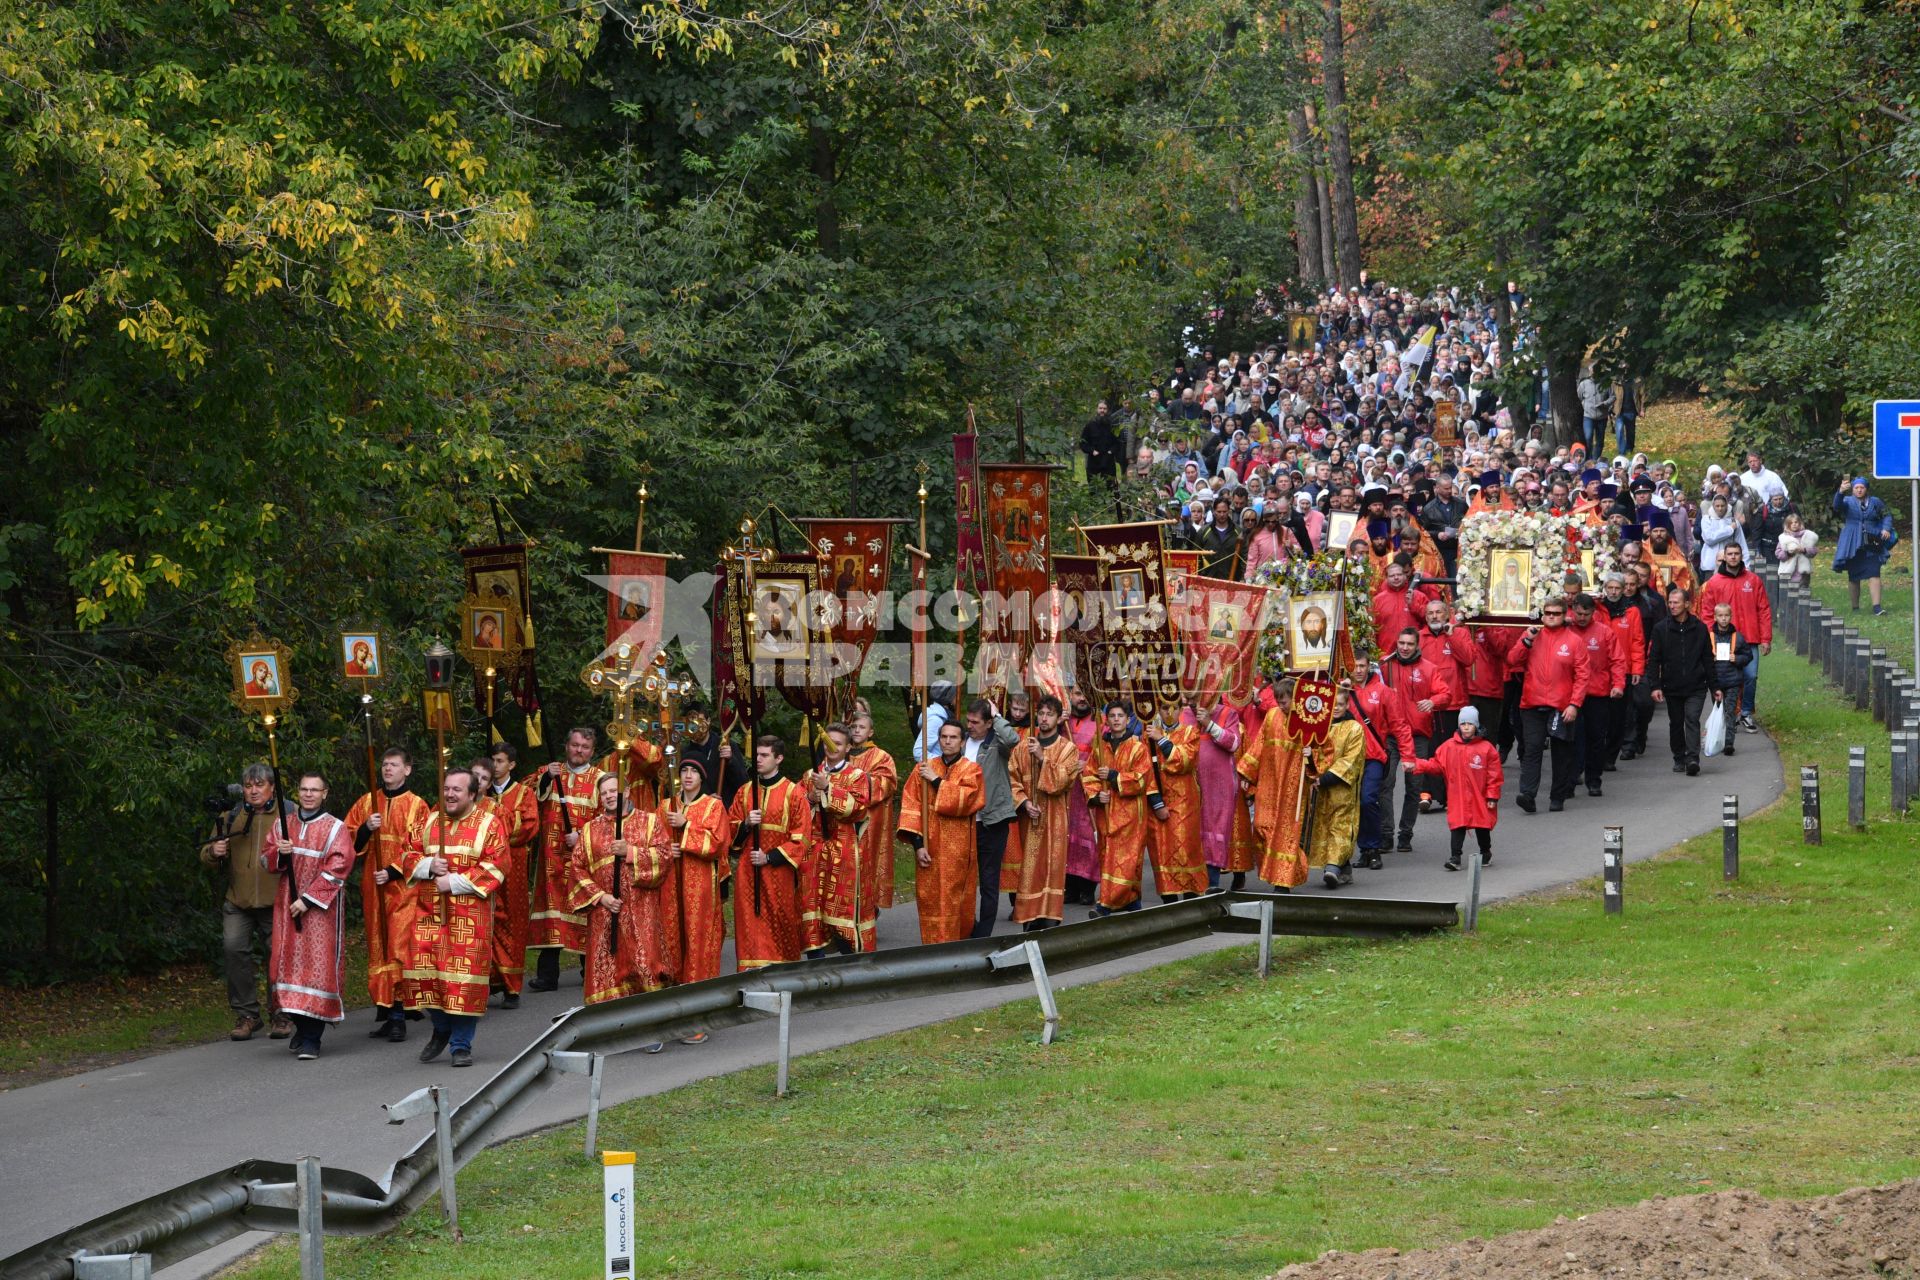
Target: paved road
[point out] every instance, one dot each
(79, 1146)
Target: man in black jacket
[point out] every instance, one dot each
(1219, 543)
(1680, 669)
(1101, 443)
(1441, 517)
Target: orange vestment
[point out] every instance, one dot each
(703, 867)
(567, 804)
(1119, 806)
(1179, 866)
(766, 899)
(389, 926)
(1276, 764)
(947, 892)
(626, 951)
(1047, 782)
(452, 947)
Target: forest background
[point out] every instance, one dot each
(298, 299)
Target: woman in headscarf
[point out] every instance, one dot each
(1719, 525)
(1866, 539)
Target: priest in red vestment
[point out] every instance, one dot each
(946, 889)
(383, 825)
(567, 793)
(700, 829)
(617, 868)
(849, 881)
(456, 873)
(314, 856)
(772, 827)
(519, 813)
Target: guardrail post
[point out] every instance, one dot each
(1470, 917)
(1263, 912)
(780, 1002)
(1810, 803)
(1857, 788)
(1730, 837)
(1612, 870)
(590, 1066)
(1028, 953)
(306, 1182)
(433, 1100)
(113, 1266)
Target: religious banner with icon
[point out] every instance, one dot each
(970, 549)
(636, 592)
(788, 643)
(500, 573)
(1446, 422)
(1180, 563)
(1076, 611)
(1019, 544)
(1310, 717)
(1219, 624)
(856, 563)
(1138, 661)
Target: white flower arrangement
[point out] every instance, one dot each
(1545, 537)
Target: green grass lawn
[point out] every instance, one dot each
(1197, 1122)
(1892, 630)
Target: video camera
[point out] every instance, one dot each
(222, 799)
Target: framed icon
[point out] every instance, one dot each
(1340, 527)
(1313, 621)
(1510, 582)
(259, 668)
(362, 653)
(490, 631)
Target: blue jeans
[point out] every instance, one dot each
(1371, 784)
(1751, 688)
(1623, 425)
(1594, 429)
(456, 1027)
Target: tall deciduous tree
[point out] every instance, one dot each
(1333, 74)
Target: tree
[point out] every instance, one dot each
(1346, 221)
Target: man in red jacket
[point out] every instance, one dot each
(1554, 672)
(1739, 586)
(1451, 649)
(1606, 689)
(1630, 630)
(1422, 687)
(1397, 605)
(1383, 723)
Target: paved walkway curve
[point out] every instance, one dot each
(79, 1146)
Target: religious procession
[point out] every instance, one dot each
(1347, 594)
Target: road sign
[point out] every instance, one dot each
(1896, 439)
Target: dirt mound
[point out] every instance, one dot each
(1729, 1235)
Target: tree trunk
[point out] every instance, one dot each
(1328, 269)
(1563, 398)
(826, 213)
(1333, 73)
(50, 925)
(1522, 409)
(1306, 205)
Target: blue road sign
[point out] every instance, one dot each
(1896, 439)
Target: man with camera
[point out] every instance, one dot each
(246, 913)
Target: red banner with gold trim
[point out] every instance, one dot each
(1219, 624)
(856, 562)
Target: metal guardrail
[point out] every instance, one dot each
(258, 1195)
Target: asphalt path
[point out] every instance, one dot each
(80, 1146)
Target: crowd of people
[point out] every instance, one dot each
(1049, 803)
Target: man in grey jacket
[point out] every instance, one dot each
(990, 744)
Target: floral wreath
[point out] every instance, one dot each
(1548, 537)
(1303, 575)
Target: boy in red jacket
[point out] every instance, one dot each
(1471, 766)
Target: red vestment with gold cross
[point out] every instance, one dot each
(452, 946)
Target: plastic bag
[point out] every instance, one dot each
(1713, 736)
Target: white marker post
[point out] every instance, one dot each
(617, 1200)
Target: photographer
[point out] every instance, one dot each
(239, 834)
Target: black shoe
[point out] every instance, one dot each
(1452, 864)
(379, 1029)
(434, 1047)
(397, 1030)
(1486, 857)
(1346, 873)
(542, 984)
(463, 1057)
(1556, 806)
(1609, 768)
(1693, 769)
(1374, 861)
(1727, 750)
(1593, 791)
(1527, 803)
(1403, 845)
(1628, 753)
(1239, 881)
(1679, 766)
(307, 1051)
(510, 1000)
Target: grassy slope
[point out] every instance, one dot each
(1197, 1122)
